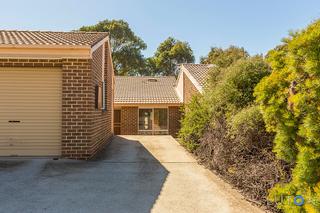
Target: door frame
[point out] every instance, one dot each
(152, 117)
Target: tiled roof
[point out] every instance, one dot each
(199, 72)
(50, 38)
(145, 90)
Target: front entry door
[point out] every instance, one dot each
(145, 120)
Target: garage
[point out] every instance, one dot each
(30, 112)
(56, 94)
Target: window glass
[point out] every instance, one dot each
(160, 119)
(145, 119)
(98, 97)
(104, 86)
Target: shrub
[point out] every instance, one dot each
(196, 117)
(225, 129)
(290, 101)
(242, 155)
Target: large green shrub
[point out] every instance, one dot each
(196, 118)
(290, 101)
(228, 90)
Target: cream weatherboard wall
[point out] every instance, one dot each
(30, 111)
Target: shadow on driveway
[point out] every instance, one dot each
(125, 177)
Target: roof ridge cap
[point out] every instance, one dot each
(50, 31)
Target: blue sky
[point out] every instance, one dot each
(256, 25)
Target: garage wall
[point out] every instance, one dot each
(102, 119)
(77, 108)
(77, 103)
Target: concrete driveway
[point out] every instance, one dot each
(135, 174)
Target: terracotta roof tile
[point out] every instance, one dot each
(199, 72)
(50, 38)
(145, 90)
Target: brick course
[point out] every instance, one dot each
(85, 130)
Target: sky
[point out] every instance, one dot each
(256, 25)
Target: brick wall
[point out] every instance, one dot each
(84, 129)
(77, 96)
(129, 120)
(188, 89)
(102, 119)
(174, 120)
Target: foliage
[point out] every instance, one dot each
(224, 57)
(290, 101)
(229, 90)
(126, 46)
(225, 129)
(241, 152)
(195, 119)
(168, 55)
(199, 111)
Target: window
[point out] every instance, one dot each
(153, 119)
(145, 119)
(104, 95)
(100, 102)
(160, 119)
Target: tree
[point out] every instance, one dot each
(290, 102)
(224, 57)
(169, 54)
(126, 46)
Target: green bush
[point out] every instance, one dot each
(196, 117)
(228, 90)
(290, 101)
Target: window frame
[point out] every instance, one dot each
(152, 117)
(100, 96)
(104, 106)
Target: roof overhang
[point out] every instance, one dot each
(146, 105)
(192, 79)
(49, 51)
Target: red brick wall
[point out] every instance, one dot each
(174, 120)
(129, 120)
(84, 129)
(188, 89)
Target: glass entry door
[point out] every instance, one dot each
(145, 119)
(153, 121)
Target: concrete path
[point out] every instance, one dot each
(135, 174)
